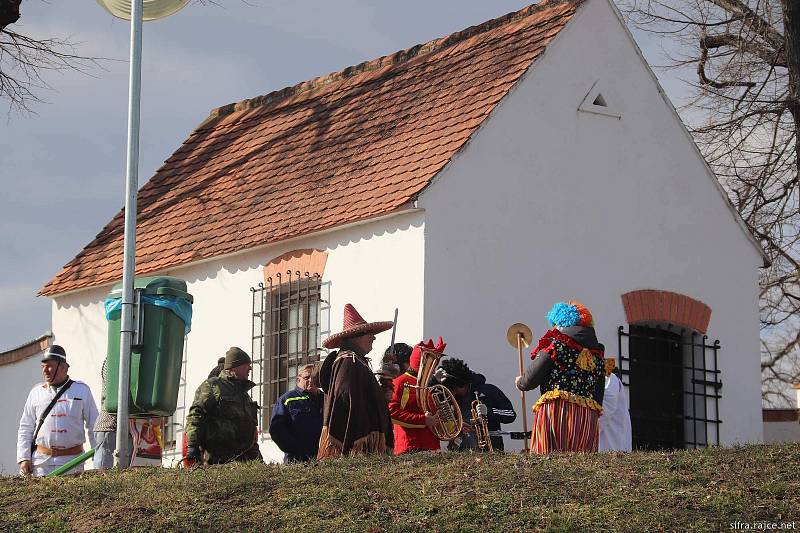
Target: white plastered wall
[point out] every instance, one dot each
(784, 431)
(549, 203)
(17, 379)
(79, 325)
(775, 432)
(376, 266)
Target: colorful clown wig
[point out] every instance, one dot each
(572, 313)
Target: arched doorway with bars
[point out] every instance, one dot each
(670, 370)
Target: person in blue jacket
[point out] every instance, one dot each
(296, 422)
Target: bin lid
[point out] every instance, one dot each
(160, 285)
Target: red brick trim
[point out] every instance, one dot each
(308, 260)
(663, 306)
(30, 349)
(780, 415)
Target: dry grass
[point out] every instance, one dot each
(693, 490)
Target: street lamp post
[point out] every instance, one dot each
(136, 11)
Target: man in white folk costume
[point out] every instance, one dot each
(56, 418)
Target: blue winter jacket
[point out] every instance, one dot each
(296, 424)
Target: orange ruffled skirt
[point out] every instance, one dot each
(563, 426)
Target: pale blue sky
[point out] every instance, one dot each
(62, 170)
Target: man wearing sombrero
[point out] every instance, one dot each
(355, 416)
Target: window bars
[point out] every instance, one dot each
(290, 315)
(674, 387)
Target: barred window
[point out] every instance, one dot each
(674, 386)
(288, 313)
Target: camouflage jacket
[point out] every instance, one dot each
(223, 420)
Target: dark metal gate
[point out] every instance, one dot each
(290, 315)
(674, 387)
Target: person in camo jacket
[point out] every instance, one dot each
(222, 423)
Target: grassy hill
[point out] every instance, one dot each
(687, 490)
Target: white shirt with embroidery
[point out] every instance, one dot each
(615, 424)
(66, 425)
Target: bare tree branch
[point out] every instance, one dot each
(766, 54)
(701, 71)
(26, 61)
(749, 18)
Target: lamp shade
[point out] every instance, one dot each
(151, 9)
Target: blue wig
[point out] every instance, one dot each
(563, 315)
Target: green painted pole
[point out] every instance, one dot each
(72, 464)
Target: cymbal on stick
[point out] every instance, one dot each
(519, 329)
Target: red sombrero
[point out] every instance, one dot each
(355, 326)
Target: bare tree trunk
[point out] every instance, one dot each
(791, 31)
(9, 12)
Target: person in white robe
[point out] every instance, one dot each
(615, 424)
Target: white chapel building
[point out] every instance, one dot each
(469, 182)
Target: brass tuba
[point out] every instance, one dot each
(480, 424)
(437, 399)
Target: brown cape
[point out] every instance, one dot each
(355, 417)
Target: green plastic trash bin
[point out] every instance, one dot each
(156, 360)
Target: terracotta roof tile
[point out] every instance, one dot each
(350, 145)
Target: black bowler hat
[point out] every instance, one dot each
(55, 353)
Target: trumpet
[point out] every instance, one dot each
(438, 399)
(480, 424)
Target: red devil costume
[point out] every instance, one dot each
(410, 432)
(355, 417)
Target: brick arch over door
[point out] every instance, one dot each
(308, 260)
(664, 306)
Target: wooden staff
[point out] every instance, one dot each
(519, 335)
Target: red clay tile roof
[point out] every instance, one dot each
(330, 151)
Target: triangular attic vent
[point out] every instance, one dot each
(596, 102)
(600, 101)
